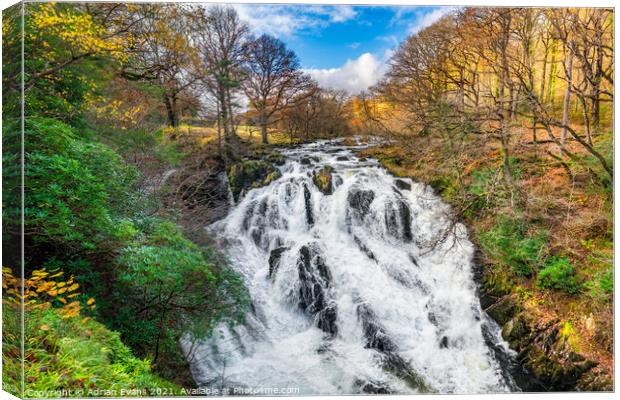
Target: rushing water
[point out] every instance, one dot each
(351, 291)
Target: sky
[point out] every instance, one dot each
(342, 47)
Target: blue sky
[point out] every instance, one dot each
(345, 47)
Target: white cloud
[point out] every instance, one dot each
(427, 19)
(341, 13)
(354, 76)
(285, 21)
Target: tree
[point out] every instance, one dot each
(162, 53)
(65, 48)
(220, 39)
(273, 79)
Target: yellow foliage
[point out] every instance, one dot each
(79, 31)
(40, 291)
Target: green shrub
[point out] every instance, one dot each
(172, 287)
(606, 281)
(559, 274)
(482, 181)
(76, 192)
(601, 287)
(512, 244)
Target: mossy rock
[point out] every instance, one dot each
(250, 174)
(504, 310)
(323, 180)
(516, 331)
(276, 157)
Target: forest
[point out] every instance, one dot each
(139, 119)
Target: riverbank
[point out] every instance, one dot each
(545, 252)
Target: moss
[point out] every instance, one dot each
(323, 179)
(250, 174)
(276, 157)
(569, 334)
(445, 186)
(558, 274)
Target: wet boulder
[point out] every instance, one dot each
(314, 278)
(371, 387)
(402, 184)
(250, 174)
(503, 310)
(342, 158)
(364, 249)
(274, 260)
(314, 282)
(323, 180)
(326, 319)
(375, 335)
(398, 220)
(308, 204)
(359, 201)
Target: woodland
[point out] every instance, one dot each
(133, 113)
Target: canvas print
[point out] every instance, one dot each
(207, 199)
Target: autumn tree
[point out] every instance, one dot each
(64, 48)
(162, 54)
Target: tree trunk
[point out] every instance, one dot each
(170, 101)
(263, 132)
(544, 73)
(569, 83)
(219, 130)
(504, 108)
(552, 75)
(586, 119)
(598, 74)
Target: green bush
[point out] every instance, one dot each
(601, 287)
(84, 212)
(76, 192)
(512, 244)
(173, 287)
(482, 181)
(606, 282)
(559, 274)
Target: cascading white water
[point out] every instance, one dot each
(348, 294)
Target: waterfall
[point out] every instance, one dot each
(348, 294)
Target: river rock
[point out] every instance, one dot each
(359, 201)
(274, 260)
(323, 180)
(276, 157)
(314, 281)
(402, 184)
(308, 204)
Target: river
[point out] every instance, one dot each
(352, 292)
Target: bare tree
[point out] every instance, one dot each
(273, 79)
(220, 39)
